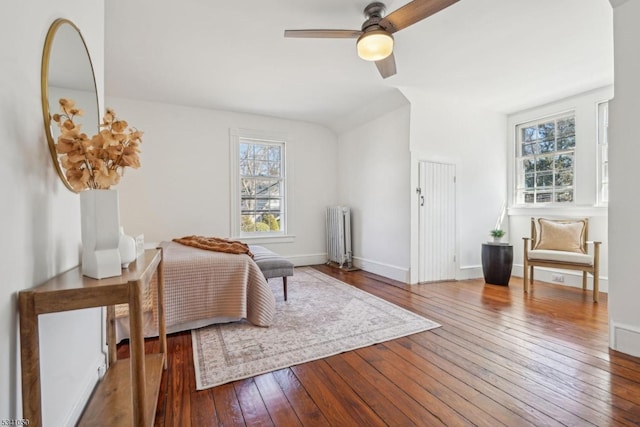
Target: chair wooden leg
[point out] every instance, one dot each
(284, 286)
(584, 280)
(596, 287)
(525, 278)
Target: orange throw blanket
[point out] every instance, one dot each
(217, 244)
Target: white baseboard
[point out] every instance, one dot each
(624, 338)
(91, 378)
(389, 271)
(470, 272)
(571, 278)
(307, 259)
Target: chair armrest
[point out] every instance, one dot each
(527, 242)
(593, 242)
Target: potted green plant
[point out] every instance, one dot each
(497, 234)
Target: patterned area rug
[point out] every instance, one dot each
(322, 317)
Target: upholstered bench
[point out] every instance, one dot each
(272, 265)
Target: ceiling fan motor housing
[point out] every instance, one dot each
(375, 43)
(373, 12)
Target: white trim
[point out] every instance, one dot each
(267, 238)
(401, 274)
(624, 338)
(90, 380)
(307, 259)
(564, 211)
(470, 272)
(235, 134)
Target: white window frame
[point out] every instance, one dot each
(519, 186)
(237, 136)
(586, 184)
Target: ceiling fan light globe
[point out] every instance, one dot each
(375, 45)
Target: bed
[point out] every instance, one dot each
(203, 287)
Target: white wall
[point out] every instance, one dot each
(374, 181)
(474, 140)
(183, 185)
(585, 106)
(41, 218)
(624, 209)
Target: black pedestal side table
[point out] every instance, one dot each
(497, 260)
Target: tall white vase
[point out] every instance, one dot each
(100, 233)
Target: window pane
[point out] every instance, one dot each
(274, 154)
(567, 127)
(566, 143)
(529, 165)
(247, 205)
(275, 190)
(547, 146)
(564, 162)
(529, 134)
(528, 197)
(528, 149)
(544, 179)
(529, 181)
(274, 169)
(544, 164)
(260, 151)
(546, 131)
(247, 187)
(543, 197)
(262, 168)
(564, 178)
(564, 196)
(245, 150)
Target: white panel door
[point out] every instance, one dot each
(437, 222)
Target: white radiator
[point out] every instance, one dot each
(339, 235)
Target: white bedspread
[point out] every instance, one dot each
(204, 287)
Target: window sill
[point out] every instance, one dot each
(272, 238)
(587, 211)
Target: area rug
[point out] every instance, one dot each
(322, 317)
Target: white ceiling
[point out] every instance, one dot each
(504, 55)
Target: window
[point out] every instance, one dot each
(545, 160)
(603, 151)
(259, 190)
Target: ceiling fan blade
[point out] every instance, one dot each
(387, 66)
(413, 12)
(324, 34)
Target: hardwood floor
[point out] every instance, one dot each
(500, 358)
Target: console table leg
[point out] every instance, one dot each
(138, 373)
(30, 360)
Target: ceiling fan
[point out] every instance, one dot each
(375, 40)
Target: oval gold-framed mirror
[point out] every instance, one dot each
(67, 72)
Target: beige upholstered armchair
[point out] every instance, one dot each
(564, 244)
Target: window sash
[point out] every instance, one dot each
(545, 160)
(262, 187)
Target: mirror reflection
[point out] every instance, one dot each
(67, 72)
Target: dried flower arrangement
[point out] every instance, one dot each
(99, 161)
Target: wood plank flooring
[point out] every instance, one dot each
(500, 358)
